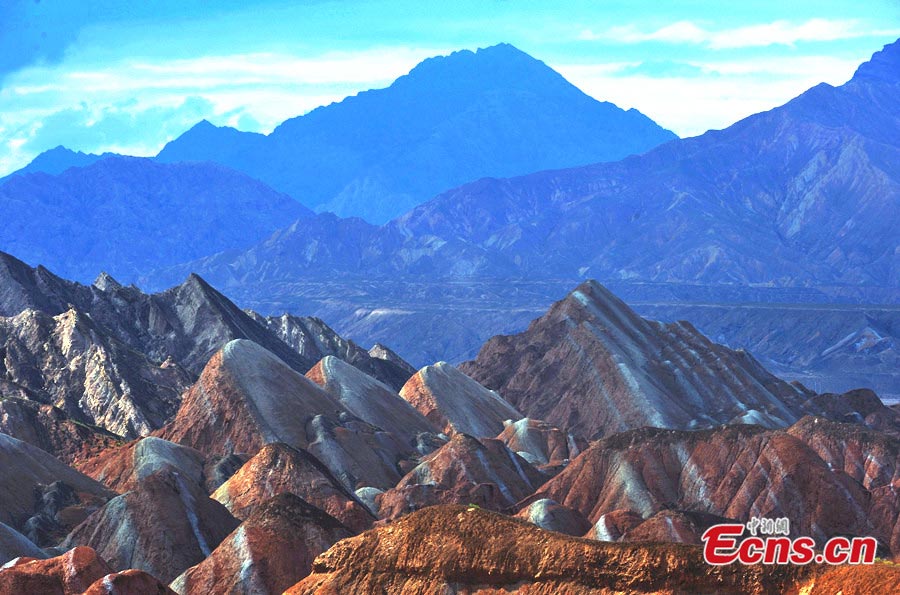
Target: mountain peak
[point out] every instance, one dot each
(496, 66)
(105, 282)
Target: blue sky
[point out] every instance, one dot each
(114, 75)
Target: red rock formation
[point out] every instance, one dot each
(734, 472)
(870, 458)
(247, 397)
(369, 399)
(540, 443)
(281, 469)
(163, 526)
(121, 468)
(270, 551)
(467, 550)
(613, 526)
(463, 471)
(454, 402)
(69, 574)
(594, 367)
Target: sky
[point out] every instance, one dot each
(123, 76)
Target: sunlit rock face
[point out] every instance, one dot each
(453, 402)
(466, 549)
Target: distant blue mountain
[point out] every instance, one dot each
(453, 119)
(126, 215)
(804, 195)
(57, 160)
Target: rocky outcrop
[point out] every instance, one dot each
(247, 398)
(369, 399)
(39, 495)
(852, 580)
(359, 454)
(463, 471)
(129, 582)
(458, 549)
(280, 469)
(314, 340)
(69, 574)
(593, 366)
(184, 325)
(163, 526)
(70, 362)
(50, 429)
(734, 472)
(270, 551)
(453, 402)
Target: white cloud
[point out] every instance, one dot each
(779, 32)
(137, 105)
(732, 91)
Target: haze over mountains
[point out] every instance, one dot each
(452, 119)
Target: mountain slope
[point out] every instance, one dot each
(130, 215)
(452, 119)
(593, 366)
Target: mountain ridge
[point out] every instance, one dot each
(496, 111)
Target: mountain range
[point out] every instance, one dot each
(802, 195)
(452, 119)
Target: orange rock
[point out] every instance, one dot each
(467, 550)
(69, 574)
(879, 578)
